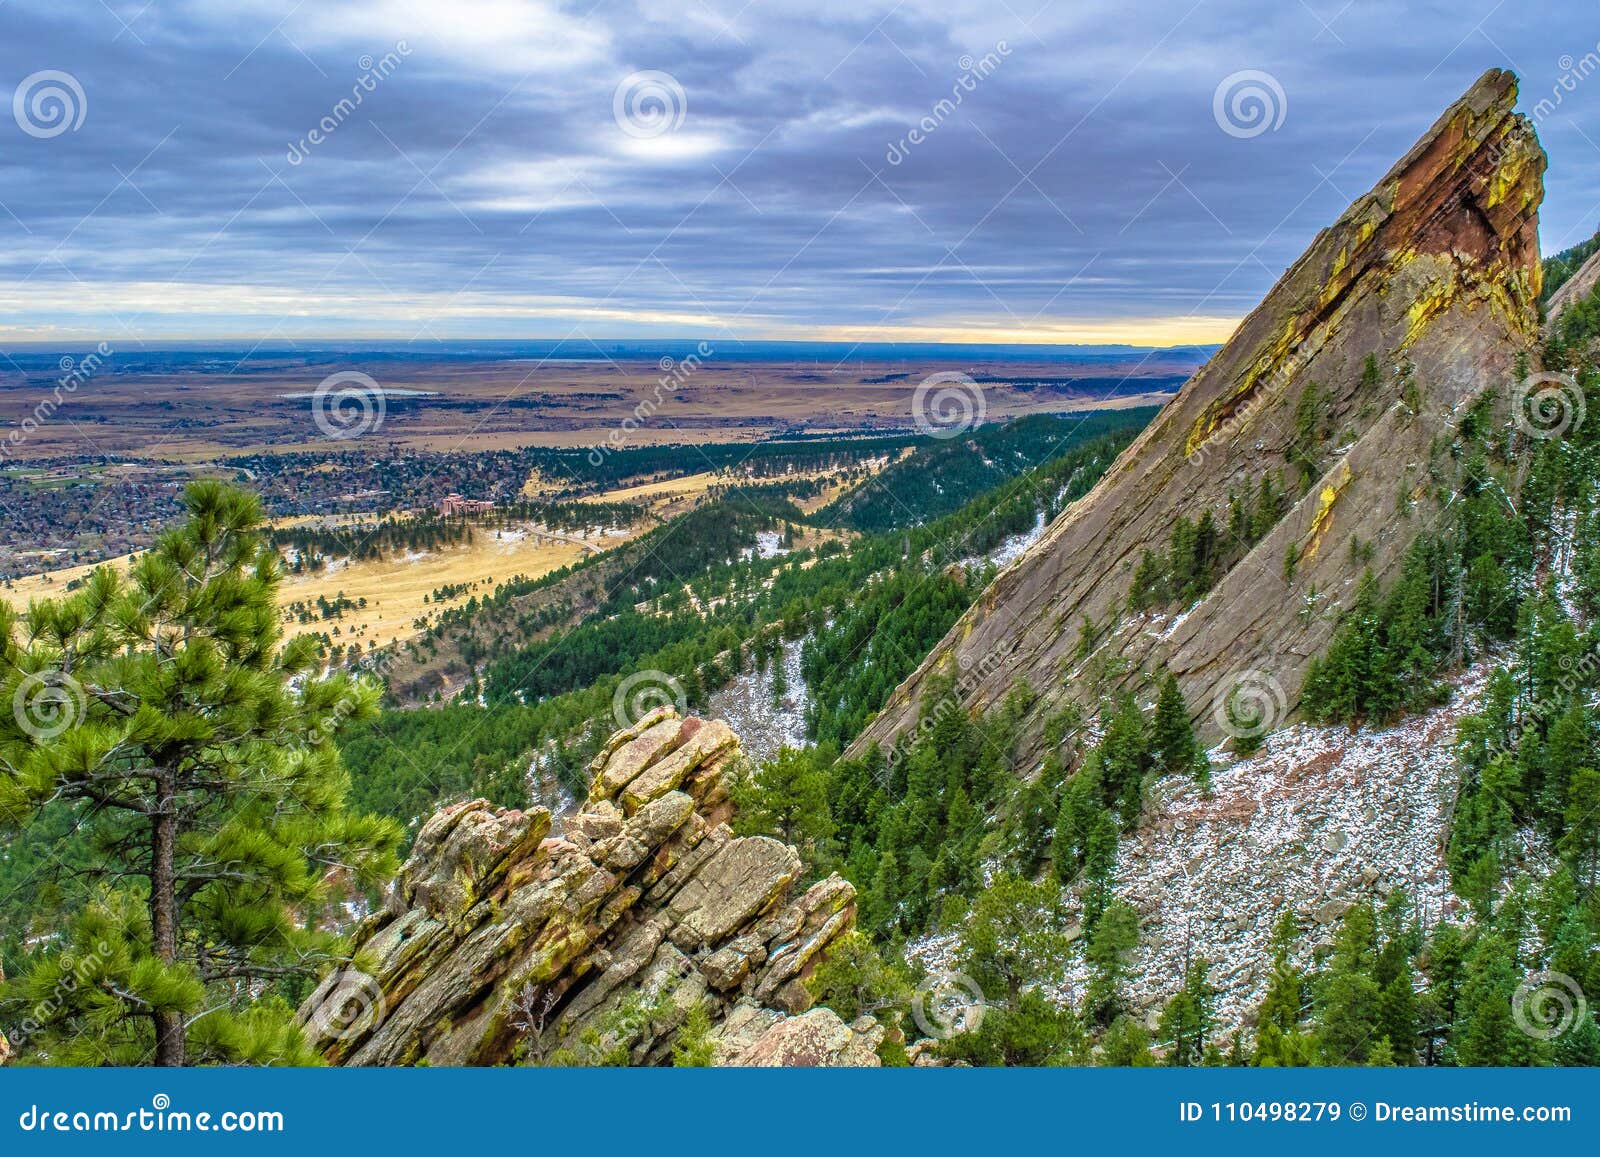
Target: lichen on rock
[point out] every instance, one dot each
(1435, 276)
(503, 942)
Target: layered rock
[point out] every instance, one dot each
(1578, 287)
(1436, 275)
(502, 942)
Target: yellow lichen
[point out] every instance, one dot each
(1323, 519)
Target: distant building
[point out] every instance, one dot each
(452, 504)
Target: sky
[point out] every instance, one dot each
(1135, 171)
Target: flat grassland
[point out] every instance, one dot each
(397, 590)
(206, 412)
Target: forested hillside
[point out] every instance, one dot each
(698, 606)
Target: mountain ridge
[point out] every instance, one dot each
(1434, 278)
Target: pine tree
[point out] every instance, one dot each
(1172, 739)
(1149, 583)
(787, 797)
(1280, 1041)
(1392, 972)
(198, 753)
(1187, 1018)
(1124, 759)
(1115, 937)
(1348, 996)
(1305, 445)
(1581, 842)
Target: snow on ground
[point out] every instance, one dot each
(745, 705)
(769, 544)
(1319, 818)
(1010, 549)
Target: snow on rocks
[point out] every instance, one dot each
(1010, 549)
(1318, 819)
(745, 705)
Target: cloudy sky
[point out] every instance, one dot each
(1070, 170)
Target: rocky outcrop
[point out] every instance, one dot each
(502, 942)
(1436, 275)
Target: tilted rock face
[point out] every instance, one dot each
(1436, 273)
(1578, 287)
(502, 942)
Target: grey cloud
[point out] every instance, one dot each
(483, 170)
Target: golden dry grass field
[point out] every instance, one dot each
(393, 593)
(398, 590)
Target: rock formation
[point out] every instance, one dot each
(503, 943)
(1436, 275)
(1579, 286)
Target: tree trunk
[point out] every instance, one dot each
(164, 913)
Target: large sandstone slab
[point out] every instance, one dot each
(1436, 274)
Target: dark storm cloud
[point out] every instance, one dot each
(1077, 181)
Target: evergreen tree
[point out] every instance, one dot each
(1111, 946)
(787, 797)
(1392, 972)
(1186, 1021)
(1348, 999)
(1124, 759)
(1581, 842)
(1149, 583)
(1172, 738)
(1126, 1044)
(199, 754)
(1015, 938)
(1280, 1041)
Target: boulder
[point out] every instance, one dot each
(1435, 276)
(816, 1039)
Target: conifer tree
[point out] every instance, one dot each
(787, 797)
(196, 752)
(1172, 738)
(1280, 1041)
(1124, 759)
(1111, 945)
(1186, 1021)
(1348, 997)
